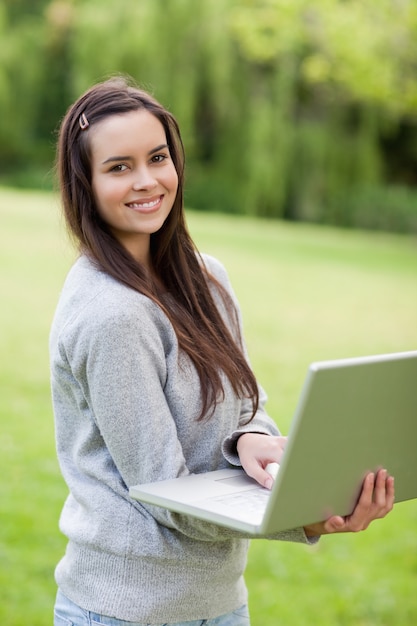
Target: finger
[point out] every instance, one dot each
(384, 493)
(377, 499)
(391, 490)
(380, 491)
(255, 468)
(367, 494)
(256, 471)
(363, 512)
(271, 469)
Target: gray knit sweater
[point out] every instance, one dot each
(125, 403)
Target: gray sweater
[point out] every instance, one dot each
(126, 402)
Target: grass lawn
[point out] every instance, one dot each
(307, 293)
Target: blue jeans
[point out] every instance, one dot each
(69, 614)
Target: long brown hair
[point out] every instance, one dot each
(201, 332)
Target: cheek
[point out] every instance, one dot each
(105, 194)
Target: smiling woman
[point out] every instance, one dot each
(134, 193)
(150, 381)
(149, 374)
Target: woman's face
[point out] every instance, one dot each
(133, 177)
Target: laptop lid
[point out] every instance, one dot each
(353, 416)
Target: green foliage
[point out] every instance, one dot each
(358, 51)
(307, 292)
(289, 108)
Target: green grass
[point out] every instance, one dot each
(307, 293)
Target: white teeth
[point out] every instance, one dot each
(144, 205)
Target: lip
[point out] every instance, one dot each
(146, 205)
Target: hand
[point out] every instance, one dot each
(256, 451)
(376, 501)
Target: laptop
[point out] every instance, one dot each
(353, 416)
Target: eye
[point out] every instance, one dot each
(159, 158)
(120, 167)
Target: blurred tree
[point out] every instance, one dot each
(20, 9)
(304, 109)
(21, 66)
(55, 87)
(355, 79)
(356, 50)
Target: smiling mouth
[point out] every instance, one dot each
(148, 205)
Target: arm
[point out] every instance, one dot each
(121, 364)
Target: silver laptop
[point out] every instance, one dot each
(353, 416)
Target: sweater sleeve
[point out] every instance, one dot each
(125, 376)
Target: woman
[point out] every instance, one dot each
(150, 381)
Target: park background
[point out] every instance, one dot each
(300, 125)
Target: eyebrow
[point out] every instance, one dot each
(111, 159)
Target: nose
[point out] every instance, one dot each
(144, 180)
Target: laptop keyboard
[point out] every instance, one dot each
(251, 501)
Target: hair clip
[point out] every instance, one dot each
(83, 121)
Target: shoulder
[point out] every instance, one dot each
(93, 301)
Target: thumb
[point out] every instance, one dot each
(334, 524)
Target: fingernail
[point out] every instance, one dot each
(268, 483)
